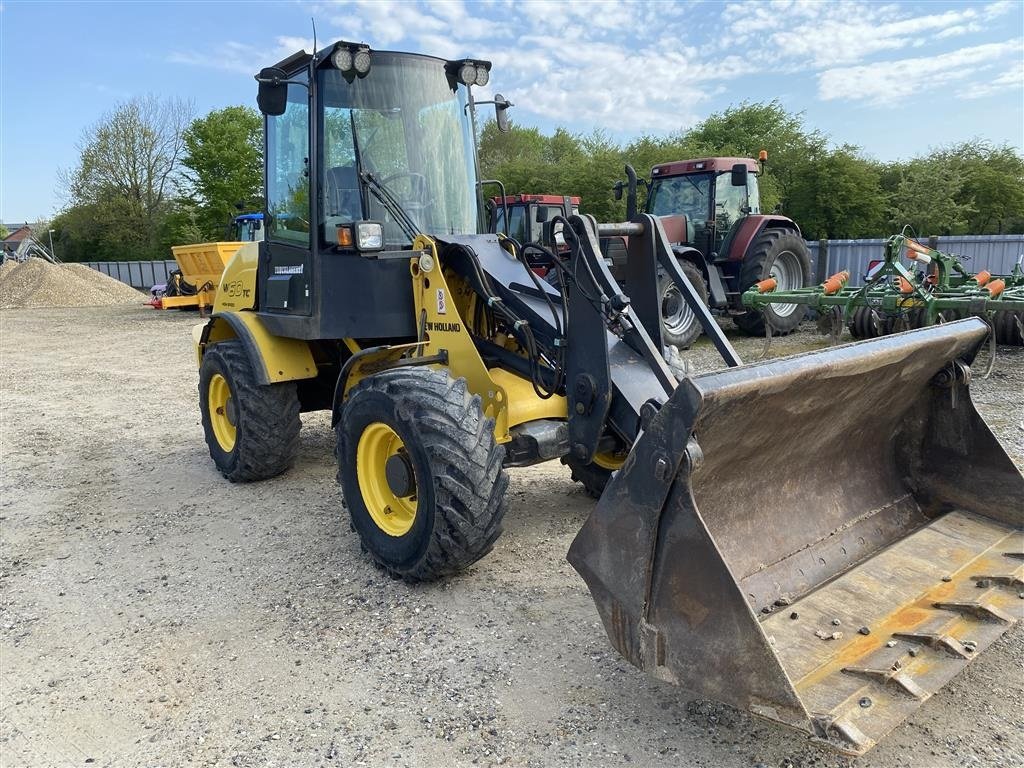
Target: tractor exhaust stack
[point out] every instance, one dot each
(823, 540)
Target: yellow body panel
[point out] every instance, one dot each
(505, 397)
(283, 359)
(445, 330)
(524, 404)
(238, 281)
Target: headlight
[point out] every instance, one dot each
(362, 61)
(342, 59)
(482, 76)
(369, 236)
(467, 74)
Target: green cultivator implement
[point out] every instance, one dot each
(894, 298)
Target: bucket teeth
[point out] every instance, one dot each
(896, 678)
(977, 609)
(1012, 580)
(939, 642)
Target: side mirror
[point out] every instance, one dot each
(542, 214)
(501, 105)
(272, 97)
(739, 175)
(617, 189)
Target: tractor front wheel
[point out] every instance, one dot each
(252, 429)
(780, 254)
(679, 325)
(421, 472)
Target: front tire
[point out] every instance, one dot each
(421, 472)
(252, 429)
(783, 255)
(679, 325)
(595, 475)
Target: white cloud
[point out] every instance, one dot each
(632, 67)
(888, 82)
(242, 58)
(1010, 79)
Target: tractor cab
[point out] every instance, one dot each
(527, 215)
(246, 228)
(714, 194)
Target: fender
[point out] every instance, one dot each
(275, 358)
(750, 228)
(712, 273)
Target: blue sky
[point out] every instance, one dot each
(893, 78)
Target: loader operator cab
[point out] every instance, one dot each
(714, 195)
(364, 151)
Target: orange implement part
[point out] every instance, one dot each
(995, 287)
(913, 245)
(835, 283)
(767, 286)
(983, 277)
(905, 286)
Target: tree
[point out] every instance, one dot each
(223, 166)
(121, 188)
(929, 198)
(4, 232)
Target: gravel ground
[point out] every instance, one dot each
(153, 614)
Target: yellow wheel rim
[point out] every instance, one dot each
(393, 514)
(222, 412)
(609, 460)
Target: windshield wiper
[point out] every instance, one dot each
(391, 204)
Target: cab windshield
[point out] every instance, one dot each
(403, 132)
(688, 195)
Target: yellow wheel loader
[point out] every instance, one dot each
(832, 588)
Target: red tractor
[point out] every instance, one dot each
(712, 214)
(527, 216)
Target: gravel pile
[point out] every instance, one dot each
(37, 283)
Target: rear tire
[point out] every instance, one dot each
(444, 511)
(679, 325)
(252, 429)
(782, 254)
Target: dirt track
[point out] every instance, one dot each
(153, 614)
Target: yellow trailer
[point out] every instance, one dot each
(200, 266)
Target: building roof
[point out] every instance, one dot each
(17, 235)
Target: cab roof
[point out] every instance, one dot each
(702, 165)
(544, 199)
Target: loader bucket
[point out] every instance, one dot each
(823, 540)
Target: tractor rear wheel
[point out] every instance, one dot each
(252, 429)
(421, 472)
(783, 255)
(679, 325)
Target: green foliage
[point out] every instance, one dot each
(4, 232)
(930, 198)
(223, 166)
(831, 192)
